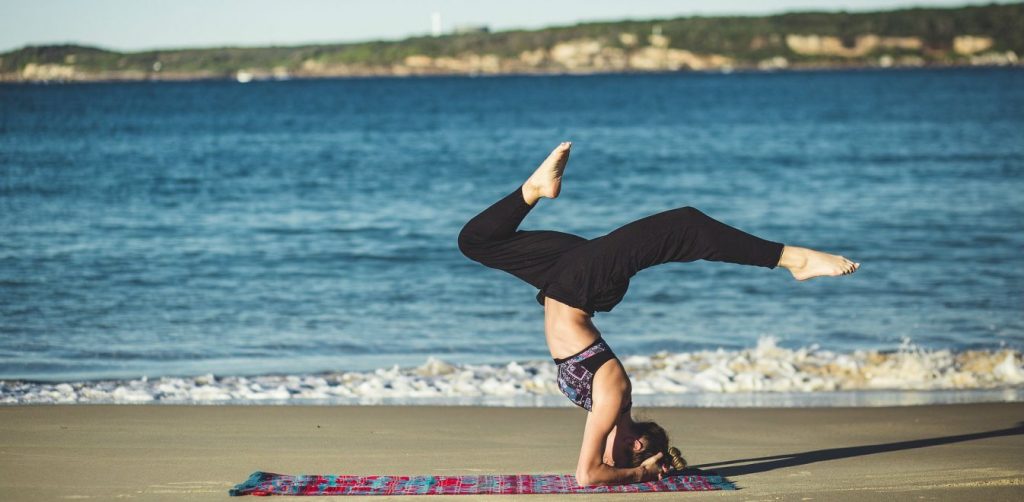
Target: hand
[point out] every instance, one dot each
(651, 469)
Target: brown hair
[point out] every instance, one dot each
(657, 441)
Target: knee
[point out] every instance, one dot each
(690, 213)
(469, 243)
(692, 217)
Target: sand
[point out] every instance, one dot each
(170, 452)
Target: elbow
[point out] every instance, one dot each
(585, 478)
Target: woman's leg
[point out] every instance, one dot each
(683, 235)
(594, 276)
(686, 234)
(493, 237)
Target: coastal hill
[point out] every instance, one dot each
(979, 35)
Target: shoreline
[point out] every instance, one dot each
(231, 78)
(893, 37)
(753, 400)
(764, 375)
(946, 452)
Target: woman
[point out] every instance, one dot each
(578, 277)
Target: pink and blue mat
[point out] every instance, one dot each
(268, 483)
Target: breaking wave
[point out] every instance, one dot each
(659, 379)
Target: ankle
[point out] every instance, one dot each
(530, 195)
(792, 258)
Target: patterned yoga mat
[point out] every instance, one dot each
(268, 483)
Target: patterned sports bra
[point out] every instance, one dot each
(576, 373)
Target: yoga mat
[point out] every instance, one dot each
(269, 483)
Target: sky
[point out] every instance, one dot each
(148, 24)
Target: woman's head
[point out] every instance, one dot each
(649, 439)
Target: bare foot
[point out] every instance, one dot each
(546, 181)
(806, 263)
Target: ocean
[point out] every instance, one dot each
(295, 241)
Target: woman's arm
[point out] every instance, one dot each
(591, 469)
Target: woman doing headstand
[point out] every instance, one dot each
(577, 277)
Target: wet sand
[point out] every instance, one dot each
(169, 452)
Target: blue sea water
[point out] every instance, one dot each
(302, 226)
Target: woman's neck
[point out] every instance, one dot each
(625, 422)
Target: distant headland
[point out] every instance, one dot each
(980, 35)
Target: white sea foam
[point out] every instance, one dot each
(662, 378)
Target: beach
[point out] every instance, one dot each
(171, 452)
(200, 280)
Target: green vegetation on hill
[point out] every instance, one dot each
(743, 40)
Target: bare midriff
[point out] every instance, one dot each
(567, 329)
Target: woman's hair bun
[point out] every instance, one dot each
(676, 459)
